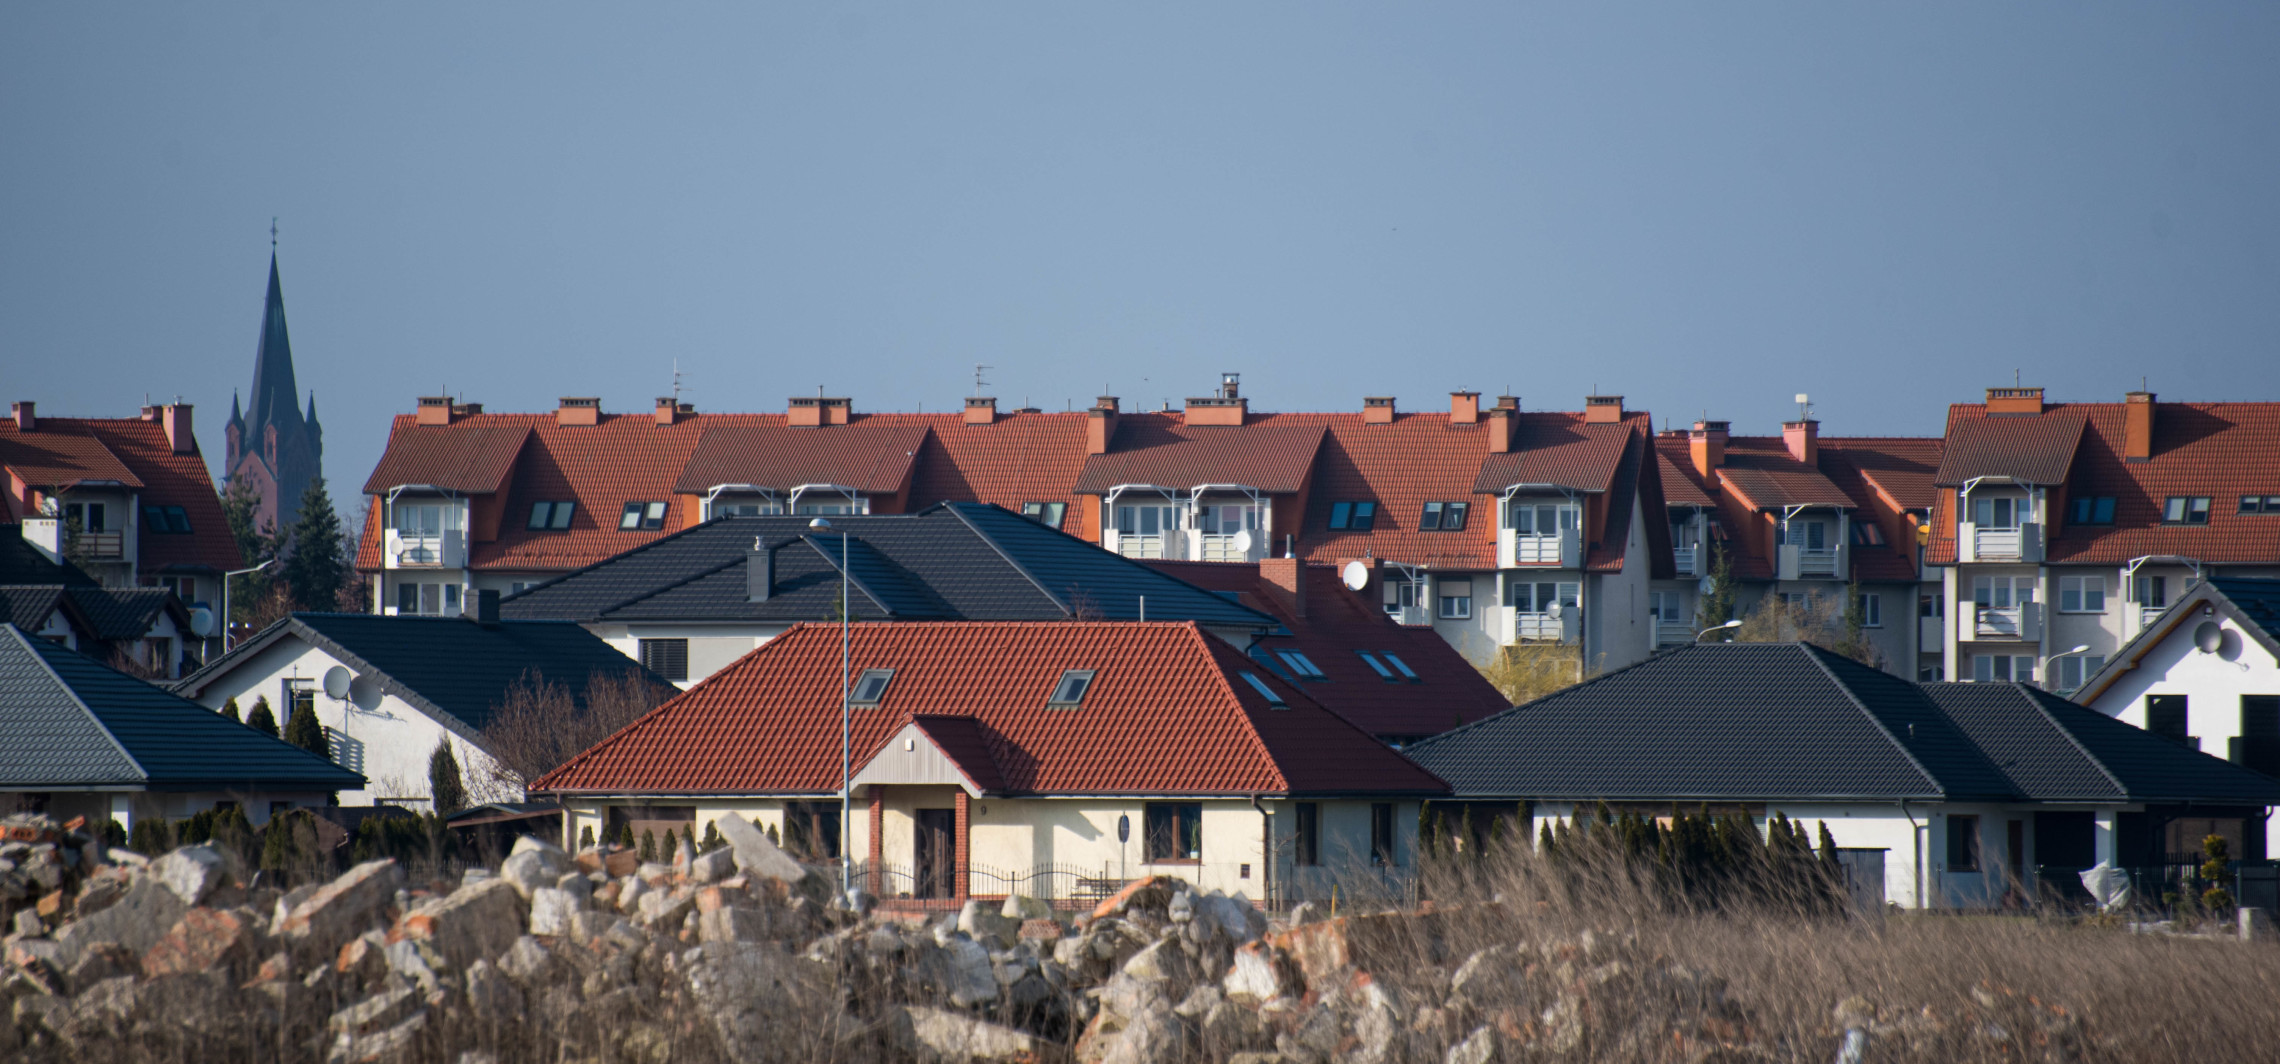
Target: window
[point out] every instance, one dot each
(1407, 673)
(1455, 597)
(1376, 666)
(642, 517)
(811, 830)
(90, 515)
(1996, 512)
(1931, 603)
(1070, 689)
(1227, 519)
(1872, 610)
(184, 587)
(300, 697)
(2167, 716)
(1401, 594)
(870, 687)
(1868, 534)
(166, 520)
(668, 658)
(426, 519)
(1542, 519)
(2002, 668)
(1174, 831)
(1962, 844)
(1274, 701)
(427, 600)
(1381, 835)
(1048, 514)
(2093, 510)
(746, 509)
(2185, 510)
(2258, 747)
(1811, 535)
(2073, 671)
(1664, 606)
(2082, 594)
(1352, 516)
(1443, 517)
(1300, 665)
(2002, 592)
(1306, 841)
(551, 516)
(1147, 520)
(1540, 598)
(2150, 591)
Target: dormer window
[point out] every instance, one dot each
(870, 687)
(552, 516)
(166, 520)
(1543, 519)
(1070, 690)
(642, 517)
(1443, 517)
(2185, 510)
(1997, 512)
(1352, 516)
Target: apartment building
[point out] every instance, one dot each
(2076, 525)
(1805, 517)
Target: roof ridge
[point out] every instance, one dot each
(1814, 655)
(1226, 684)
(846, 568)
(958, 510)
(25, 638)
(2071, 739)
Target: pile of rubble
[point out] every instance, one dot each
(744, 955)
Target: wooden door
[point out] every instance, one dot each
(933, 862)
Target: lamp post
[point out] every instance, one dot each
(2052, 663)
(226, 599)
(846, 837)
(1716, 628)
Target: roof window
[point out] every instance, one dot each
(870, 687)
(166, 520)
(2092, 510)
(551, 515)
(642, 517)
(2185, 510)
(1377, 666)
(1301, 666)
(1048, 514)
(1407, 673)
(1352, 516)
(1443, 517)
(2260, 504)
(1070, 690)
(1274, 701)
(1868, 534)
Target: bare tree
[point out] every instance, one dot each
(1830, 621)
(537, 726)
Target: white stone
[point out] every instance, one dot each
(191, 872)
(981, 921)
(973, 981)
(713, 867)
(533, 869)
(956, 1038)
(1254, 976)
(1020, 907)
(532, 843)
(755, 854)
(1478, 1047)
(551, 909)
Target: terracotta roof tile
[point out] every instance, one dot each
(1679, 486)
(1167, 713)
(1761, 473)
(137, 453)
(1559, 449)
(1155, 449)
(60, 453)
(870, 456)
(2031, 449)
(473, 457)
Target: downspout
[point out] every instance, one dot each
(1266, 852)
(1915, 840)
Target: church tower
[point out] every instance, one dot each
(272, 445)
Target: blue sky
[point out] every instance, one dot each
(1702, 207)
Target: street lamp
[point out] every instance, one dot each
(226, 599)
(2052, 663)
(846, 839)
(1716, 628)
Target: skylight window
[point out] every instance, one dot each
(1377, 666)
(1070, 690)
(550, 515)
(2260, 504)
(174, 520)
(1274, 700)
(1300, 665)
(642, 517)
(1353, 516)
(1407, 673)
(2185, 510)
(2093, 510)
(1048, 514)
(871, 687)
(1443, 517)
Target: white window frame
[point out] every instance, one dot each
(2079, 590)
(1984, 668)
(2075, 669)
(1449, 606)
(2003, 592)
(1871, 609)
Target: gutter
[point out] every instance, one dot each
(1916, 840)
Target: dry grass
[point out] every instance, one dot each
(1525, 672)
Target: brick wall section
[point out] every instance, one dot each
(959, 849)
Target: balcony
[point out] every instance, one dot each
(440, 550)
(1510, 626)
(1673, 633)
(2021, 622)
(1796, 562)
(1683, 558)
(2021, 544)
(1240, 547)
(1134, 545)
(1412, 616)
(2149, 614)
(102, 546)
(1516, 551)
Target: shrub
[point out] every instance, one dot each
(304, 730)
(289, 843)
(586, 837)
(648, 845)
(230, 710)
(713, 839)
(261, 719)
(444, 784)
(2217, 853)
(151, 837)
(112, 834)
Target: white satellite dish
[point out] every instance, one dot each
(337, 680)
(201, 622)
(1243, 542)
(1554, 609)
(2209, 637)
(1356, 575)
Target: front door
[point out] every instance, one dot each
(934, 857)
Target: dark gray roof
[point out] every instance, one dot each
(22, 563)
(1761, 721)
(952, 562)
(452, 667)
(100, 613)
(68, 722)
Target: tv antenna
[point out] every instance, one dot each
(1804, 406)
(979, 383)
(676, 382)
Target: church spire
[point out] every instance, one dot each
(275, 393)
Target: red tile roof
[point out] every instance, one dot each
(1760, 472)
(1865, 474)
(471, 458)
(137, 453)
(1401, 466)
(2029, 448)
(60, 453)
(1679, 488)
(871, 456)
(1155, 449)
(1899, 468)
(1337, 626)
(1167, 713)
(2216, 450)
(1560, 449)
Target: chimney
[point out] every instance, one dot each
(176, 417)
(669, 411)
(759, 573)
(487, 607)
(1464, 408)
(1602, 409)
(45, 534)
(1100, 425)
(1223, 410)
(1288, 578)
(1377, 410)
(150, 412)
(459, 410)
(1803, 439)
(809, 412)
(1500, 429)
(26, 421)
(2014, 400)
(981, 410)
(1508, 402)
(2137, 427)
(1706, 443)
(578, 410)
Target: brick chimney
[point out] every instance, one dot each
(2014, 400)
(2137, 427)
(1602, 409)
(808, 412)
(26, 421)
(435, 410)
(981, 410)
(578, 411)
(1100, 425)
(1287, 579)
(1706, 444)
(1803, 438)
(1224, 406)
(1377, 410)
(1464, 408)
(176, 418)
(670, 412)
(1500, 422)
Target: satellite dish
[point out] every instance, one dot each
(337, 680)
(1356, 575)
(201, 622)
(2208, 637)
(1554, 609)
(1243, 542)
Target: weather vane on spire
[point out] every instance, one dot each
(272, 233)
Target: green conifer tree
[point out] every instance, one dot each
(648, 845)
(444, 783)
(316, 566)
(586, 837)
(230, 710)
(305, 731)
(261, 719)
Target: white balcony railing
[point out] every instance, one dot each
(1811, 562)
(1213, 547)
(2149, 614)
(442, 550)
(1134, 545)
(1563, 551)
(1413, 616)
(1508, 625)
(1683, 557)
(2023, 621)
(2020, 544)
(1673, 633)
